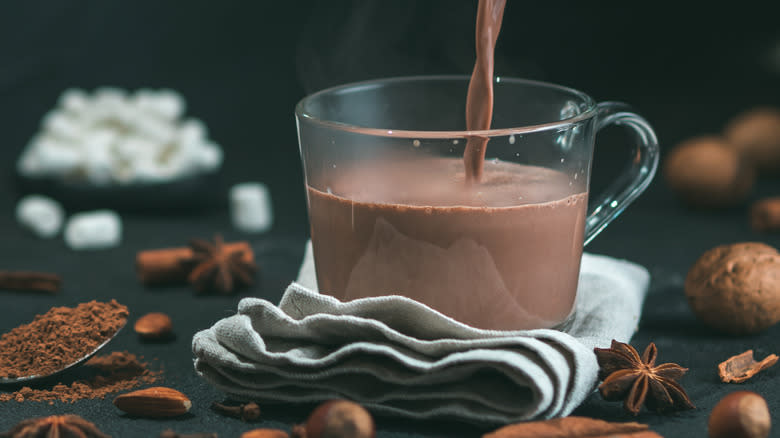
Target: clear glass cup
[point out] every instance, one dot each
(391, 211)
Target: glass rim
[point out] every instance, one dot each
(300, 109)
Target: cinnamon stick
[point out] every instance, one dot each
(164, 266)
(573, 427)
(30, 281)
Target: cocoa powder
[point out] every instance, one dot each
(58, 338)
(116, 372)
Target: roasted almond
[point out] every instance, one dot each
(154, 402)
(265, 433)
(154, 325)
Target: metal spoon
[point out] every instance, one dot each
(33, 378)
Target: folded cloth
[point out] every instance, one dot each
(397, 356)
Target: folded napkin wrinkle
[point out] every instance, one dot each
(399, 357)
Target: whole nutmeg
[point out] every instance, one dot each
(706, 172)
(736, 288)
(337, 419)
(741, 414)
(154, 325)
(756, 135)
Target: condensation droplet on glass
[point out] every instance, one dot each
(575, 175)
(517, 154)
(334, 166)
(519, 197)
(613, 204)
(498, 79)
(416, 143)
(571, 183)
(511, 139)
(562, 160)
(330, 192)
(456, 141)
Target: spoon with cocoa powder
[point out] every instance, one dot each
(58, 340)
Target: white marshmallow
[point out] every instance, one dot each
(74, 101)
(98, 167)
(208, 156)
(41, 215)
(99, 170)
(56, 158)
(143, 99)
(169, 104)
(250, 207)
(109, 96)
(97, 229)
(63, 126)
(126, 116)
(136, 148)
(177, 163)
(101, 139)
(29, 165)
(110, 93)
(191, 131)
(108, 103)
(153, 128)
(98, 161)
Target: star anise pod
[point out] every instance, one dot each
(56, 426)
(638, 380)
(213, 267)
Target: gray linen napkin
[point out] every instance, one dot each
(397, 356)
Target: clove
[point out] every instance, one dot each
(170, 433)
(246, 412)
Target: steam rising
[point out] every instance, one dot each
(370, 39)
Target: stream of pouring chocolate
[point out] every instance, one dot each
(479, 101)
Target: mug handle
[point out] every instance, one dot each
(635, 177)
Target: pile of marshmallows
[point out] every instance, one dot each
(113, 137)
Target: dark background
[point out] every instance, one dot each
(242, 66)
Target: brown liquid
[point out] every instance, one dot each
(479, 101)
(503, 254)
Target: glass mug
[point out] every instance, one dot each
(391, 212)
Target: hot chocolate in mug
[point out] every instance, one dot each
(392, 211)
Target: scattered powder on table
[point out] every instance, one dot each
(116, 372)
(58, 338)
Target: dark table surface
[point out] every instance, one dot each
(240, 77)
